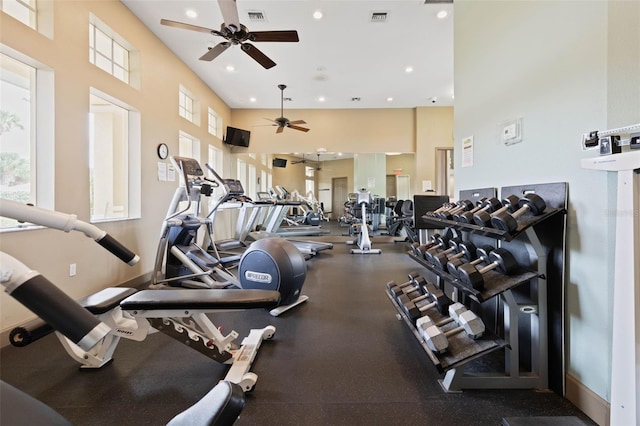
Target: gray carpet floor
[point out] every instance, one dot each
(342, 358)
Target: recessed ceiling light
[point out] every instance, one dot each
(252, 99)
(339, 154)
(442, 14)
(408, 69)
(191, 13)
(317, 14)
(321, 99)
(389, 99)
(230, 68)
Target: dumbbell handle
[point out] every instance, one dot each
(453, 331)
(502, 209)
(445, 206)
(489, 267)
(522, 210)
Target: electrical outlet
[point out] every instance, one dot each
(72, 270)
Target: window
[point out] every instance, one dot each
(188, 146)
(263, 181)
(114, 169)
(108, 51)
(250, 190)
(215, 123)
(309, 183)
(23, 10)
(241, 172)
(188, 106)
(26, 132)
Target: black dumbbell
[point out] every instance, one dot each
(433, 298)
(477, 207)
(488, 205)
(416, 289)
(500, 258)
(482, 255)
(483, 218)
(529, 203)
(465, 249)
(463, 205)
(448, 246)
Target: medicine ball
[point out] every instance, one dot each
(273, 264)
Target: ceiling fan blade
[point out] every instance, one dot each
(279, 129)
(215, 51)
(298, 122)
(256, 54)
(184, 26)
(275, 36)
(229, 11)
(302, 129)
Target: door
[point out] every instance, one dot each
(391, 186)
(339, 191)
(404, 187)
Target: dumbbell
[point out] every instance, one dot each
(468, 321)
(424, 322)
(508, 221)
(463, 249)
(396, 290)
(484, 218)
(488, 205)
(500, 258)
(433, 298)
(445, 206)
(482, 255)
(414, 291)
(453, 244)
(477, 207)
(463, 205)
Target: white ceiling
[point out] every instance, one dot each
(341, 56)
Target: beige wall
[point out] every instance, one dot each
(434, 130)
(161, 73)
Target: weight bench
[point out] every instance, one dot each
(180, 314)
(221, 406)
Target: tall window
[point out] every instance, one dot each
(309, 182)
(26, 133)
(188, 106)
(23, 10)
(188, 146)
(250, 189)
(215, 123)
(17, 115)
(241, 172)
(113, 159)
(108, 51)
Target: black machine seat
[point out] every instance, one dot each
(106, 299)
(407, 208)
(18, 408)
(201, 299)
(221, 406)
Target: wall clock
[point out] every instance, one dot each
(163, 151)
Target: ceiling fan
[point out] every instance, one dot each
(282, 121)
(237, 34)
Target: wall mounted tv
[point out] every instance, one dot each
(279, 162)
(237, 137)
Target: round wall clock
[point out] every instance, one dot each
(163, 151)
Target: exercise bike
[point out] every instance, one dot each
(268, 264)
(361, 230)
(90, 330)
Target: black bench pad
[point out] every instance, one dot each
(221, 406)
(106, 299)
(201, 299)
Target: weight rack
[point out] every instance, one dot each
(527, 298)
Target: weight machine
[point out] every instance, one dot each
(362, 230)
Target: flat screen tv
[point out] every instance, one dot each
(279, 162)
(237, 137)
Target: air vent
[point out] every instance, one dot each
(257, 16)
(379, 16)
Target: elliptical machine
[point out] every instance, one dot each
(269, 264)
(362, 229)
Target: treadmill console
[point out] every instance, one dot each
(235, 187)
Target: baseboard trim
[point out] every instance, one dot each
(138, 282)
(587, 401)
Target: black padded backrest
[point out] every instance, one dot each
(398, 207)
(18, 408)
(221, 406)
(407, 208)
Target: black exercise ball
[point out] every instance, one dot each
(274, 264)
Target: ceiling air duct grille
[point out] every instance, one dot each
(257, 16)
(379, 16)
